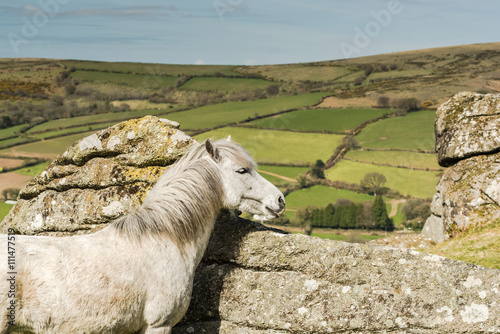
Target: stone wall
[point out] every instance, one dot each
(254, 279)
(468, 143)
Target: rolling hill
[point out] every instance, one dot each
(288, 116)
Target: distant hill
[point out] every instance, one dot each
(348, 113)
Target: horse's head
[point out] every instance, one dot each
(244, 188)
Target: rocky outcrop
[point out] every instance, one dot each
(468, 142)
(254, 279)
(467, 125)
(98, 178)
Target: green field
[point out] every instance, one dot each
(150, 69)
(133, 80)
(331, 120)
(225, 84)
(299, 72)
(10, 132)
(232, 112)
(408, 182)
(69, 131)
(14, 141)
(415, 131)
(320, 196)
(116, 117)
(396, 158)
(4, 210)
(286, 148)
(291, 172)
(51, 146)
(32, 170)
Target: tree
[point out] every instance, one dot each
(380, 216)
(273, 90)
(384, 101)
(373, 182)
(328, 214)
(317, 170)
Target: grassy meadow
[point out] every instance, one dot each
(415, 131)
(328, 120)
(415, 183)
(225, 84)
(212, 116)
(279, 147)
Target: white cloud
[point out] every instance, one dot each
(200, 62)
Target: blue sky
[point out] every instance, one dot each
(239, 31)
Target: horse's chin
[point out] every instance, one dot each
(258, 210)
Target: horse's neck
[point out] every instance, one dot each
(179, 211)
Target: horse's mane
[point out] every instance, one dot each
(184, 197)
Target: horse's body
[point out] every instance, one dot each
(136, 275)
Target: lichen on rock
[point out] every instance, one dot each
(468, 142)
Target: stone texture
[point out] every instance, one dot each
(253, 279)
(467, 125)
(467, 193)
(98, 178)
(468, 142)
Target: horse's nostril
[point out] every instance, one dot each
(281, 201)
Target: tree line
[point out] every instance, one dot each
(345, 214)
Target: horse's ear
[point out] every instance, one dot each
(212, 150)
(228, 138)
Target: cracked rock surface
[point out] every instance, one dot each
(468, 142)
(253, 279)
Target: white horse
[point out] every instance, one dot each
(136, 275)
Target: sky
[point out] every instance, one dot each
(239, 32)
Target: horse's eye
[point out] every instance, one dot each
(243, 171)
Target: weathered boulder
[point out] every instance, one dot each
(254, 279)
(98, 178)
(258, 280)
(468, 141)
(467, 125)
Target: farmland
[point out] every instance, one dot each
(233, 112)
(225, 84)
(283, 130)
(321, 196)
(279, 147)
(414, 131)
(408, 182)
(321, 120)
(134, 80)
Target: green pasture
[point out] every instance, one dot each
(14, 141)
(278, 182)
(415, 131)
(225, 84)
(287, 148)
(399, 74)
(331, 120)
(150, 69)
(116, 117)
(69, 131)
(232, 112)
(10, 132)
(408, 182)
(301, 72)
(32, 170)
(396, 158)
(133, 80)
(4, 209)
(291, 172)
(321, 196)
(51, 146)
